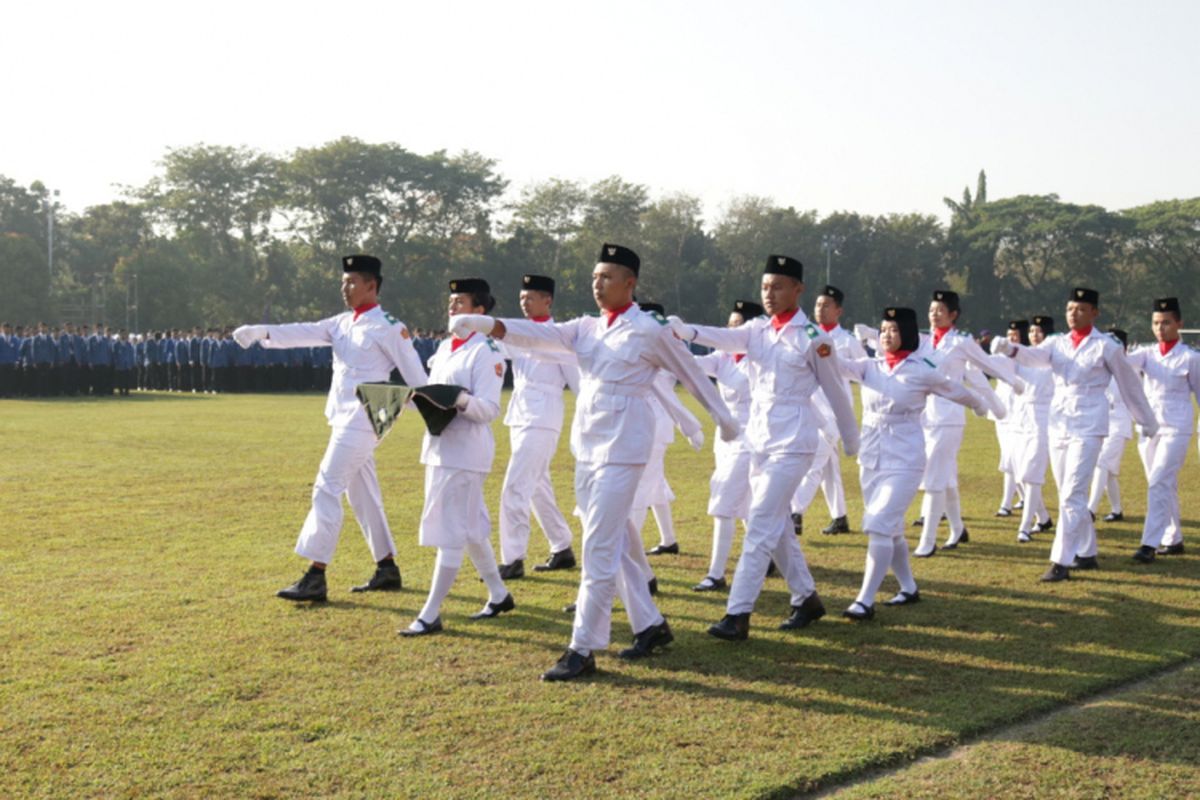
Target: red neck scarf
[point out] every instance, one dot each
(1166, 347)
(1078, 336)
(829, 327)
(364, 308)
(737, 357)
(895, 358)
(541, 319)
(456, 342)
(611, 316)
(939, 334)
(779, 320)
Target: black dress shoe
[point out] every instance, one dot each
(1019, 505)
(385, 579)
(1085, 562)
(859, 612)
(496, 609)
(710, 584)
(798, 523)
(1048, 525)
(1144, 554)
(645, 642)
(803, 615)
(1114, 516)
(1170, 550)
(732, 628)
(569, 608)
(653, 586)
(571, 665)
(905, 599)
(839, 525)
(563, 559)
(1003, 512)
(966, 537)
(664, 549)
(513, 570)
(919, 522)
(311, 586)
(423, 628)
(1057, 572)
(926, 555)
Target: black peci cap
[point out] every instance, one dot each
(947, 298)
(1021, 326)
(616, 254)
(538, 283)
(361, 263)
(652, 308)
(1081, 295)
(1120, 334)
(784, 265)
(748, 309)
(1168, 304)
(1044, 322)
(906, 320)
(832, 291)
(469, 286)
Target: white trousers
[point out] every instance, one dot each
(729, 486)
(1073, 460)
(942, 444)
(769, 532)
(1111, 453)
(527, 487)
(1163, 456)
(604, 494)
(348, 468)
(824, 474)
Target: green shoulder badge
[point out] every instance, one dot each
(659, 318)
(492, 344)
(391, 320)
(811, 330)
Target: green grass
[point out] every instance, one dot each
(144, 654)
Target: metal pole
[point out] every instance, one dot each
(49, 236)
(828, 263)
(136, 325)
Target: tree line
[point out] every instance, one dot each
(225, 235)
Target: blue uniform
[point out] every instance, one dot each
(44, 351)
(79, 346)
(123, 355)
(8, 351)
(100, 350)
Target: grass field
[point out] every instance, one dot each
(145, 655)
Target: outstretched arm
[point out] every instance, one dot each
(666, 353)
(1130, 387)
(829, 376)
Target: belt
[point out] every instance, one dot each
(595, 387)
(547, 387)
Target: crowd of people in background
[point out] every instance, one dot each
(71, 361)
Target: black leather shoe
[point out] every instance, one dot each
(496, 609)
(1170, 550)
(1144, 554)
(645, 642)
(513, 571)
(1019, 505)
(732, 628)
(918, 522)
(1056, 573)
(905, 599)
(1003, 512)
(710, 584)
(424, 628)
(839, 525)
(966, 537)
(1085, 562)
(664, 549)
(385, 579)
(569, 608)
(1048, 525)
(798, 523)
(311, 586)
(653, 586)
(571, 665)
(1024, 537)
(1114, 516)
(930, 554)
(563, 559)
(803, 615)
(859, 612)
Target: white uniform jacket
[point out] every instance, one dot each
(618, 363)
(1081, 375)
(733, 383)
(467, 442)
(364, 351)
(1170, 382)
(537, 396)
(786, 368)
(960, 357)
(893, 403)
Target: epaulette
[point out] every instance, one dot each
(492, 344)
(391, 320)
(659, 318)
(811, 330)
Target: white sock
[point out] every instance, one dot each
(879, 558)
(954, 514)
(485, 564)
(1033, 500)
(666, 525)
(1114, 494)
(901, 566)
(445, 570)
(723, 530)
(1009, 488)
(931, 509)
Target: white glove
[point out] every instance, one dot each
(247, 335)
(1018, 386)
(1003, 347)
(681, 329)
(1150, 431)
(696, 440)
(462, 325)
(730, 430)
(460, 402)
(981, 410)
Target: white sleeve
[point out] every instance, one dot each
(300, 334)
(570, 373)
(666, 353)
(709, 363)
(730, 340)
(397, 343)
(829, 376)
(542, 337)
(487, 379)
(688, 425)
(1029, 356)
(853, 369)
(1130, 387)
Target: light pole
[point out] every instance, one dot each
(136, 327)
(50, 203)
(829, 243)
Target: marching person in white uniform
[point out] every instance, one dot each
(1006, 427)
(1083, 363)
(534, 419)
(1171, 376)
(620, 353)
(789, 360)
(729, 486)
(367, 344)
(1106, 479)
(455, 518)
(826, 471)
(891, 457)
(1030, 435)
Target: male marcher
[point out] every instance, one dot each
(65, 362)
(534, 419)
(1171, 377)
(100, 356)
(1106, 479)
(620, 353)
(367, 343)
(1083, 363)
(8, 361)
(42, 353)
(789, 360)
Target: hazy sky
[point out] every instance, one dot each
(866, 106)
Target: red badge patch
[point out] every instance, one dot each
(823, 350)
(499, 370)
(404, 334)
